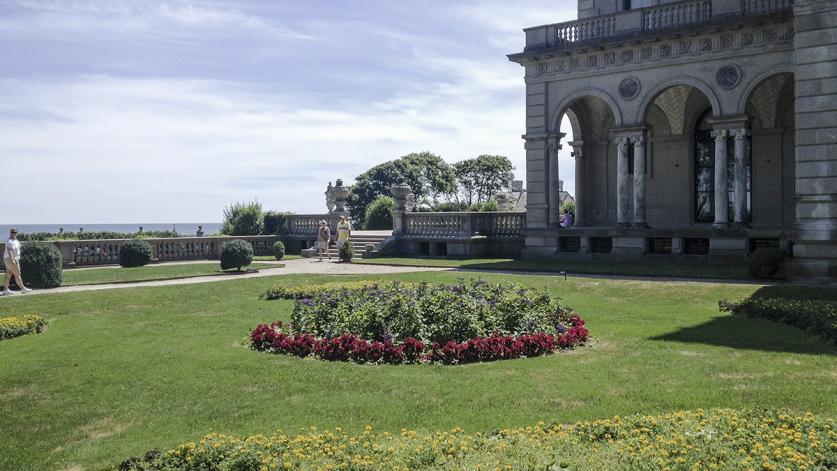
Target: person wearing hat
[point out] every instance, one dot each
(323, 238)
(344, 231)
(11, 258)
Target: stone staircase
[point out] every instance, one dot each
(359, 241)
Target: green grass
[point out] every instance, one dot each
(690, 269)
(146, 273)
(122, 371)
(271, 258)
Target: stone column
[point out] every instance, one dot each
(740, 203)
(553, 177)
(721, 195)
(639, 181)
(622, 182)
(400, 193)
(578, 155)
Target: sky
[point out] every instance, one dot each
(123, 111)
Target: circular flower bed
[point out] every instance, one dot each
(449, 324)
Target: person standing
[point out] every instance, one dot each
(323, 239)
(344, 231)
(11, 258)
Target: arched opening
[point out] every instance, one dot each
(585, 158)
(679, 177)
(770, 113)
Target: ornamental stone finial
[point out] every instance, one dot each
(341, 194)
(329, 194)
(401, 192)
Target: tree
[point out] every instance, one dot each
(428, 175)
(243, 219)
(480, 179)
(379, 214)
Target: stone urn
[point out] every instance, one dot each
(341, 194)
(400, 192)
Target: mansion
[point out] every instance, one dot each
(700, 128)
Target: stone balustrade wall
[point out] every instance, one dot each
(106, 251)
(309, 224)
(463, 225)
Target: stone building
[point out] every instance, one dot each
(702, 128)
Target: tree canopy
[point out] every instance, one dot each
(480, 179)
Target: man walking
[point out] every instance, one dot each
(11, 258)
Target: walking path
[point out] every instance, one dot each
(292, 267)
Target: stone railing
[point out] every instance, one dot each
(106, 251)
(307, 225)
(626, 24)
(464, 225)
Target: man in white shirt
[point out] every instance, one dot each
(11, 258)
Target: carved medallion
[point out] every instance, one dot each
(728, 76)
(629, 88)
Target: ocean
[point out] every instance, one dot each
(183, 228)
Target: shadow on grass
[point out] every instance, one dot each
(738, 331)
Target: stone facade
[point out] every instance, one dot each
(700, 128)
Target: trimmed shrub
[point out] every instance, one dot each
(765, 262)
(275, 223)
(135, 253)
(16, 326)
(41, 264)
(236, 254)
(279, 250)
(449, 207)
(346, 252)
(815, 317)
(243, 219)
(379, 214)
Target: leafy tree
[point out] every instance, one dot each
(481, 179)
(275, 223)
(243, 219)
(428, 175)
(379, 214)
(568, 206)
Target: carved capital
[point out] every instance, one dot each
(622, 142)
(720, 134)
(739, 134)
(639, 140)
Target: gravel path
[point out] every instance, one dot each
(292, 267)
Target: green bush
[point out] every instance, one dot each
(568, 206)
(279, 250)
(16, 326)
(815, 317)
(41, 264)
(765, 262)
(449, 207)
(379, 214)
(346, 252)
(275, 223)
(236, 254)
(243, 219)
(135, 253)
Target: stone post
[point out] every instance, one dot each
(721, 195)
(578, 155)
(740, 204)
(639, 181)
(400, 193)
(554, 146)
(622, 182)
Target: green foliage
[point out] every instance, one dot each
(430, 313)
(449, 207)
(96, 235)
(480, 179)
(135, 253)
(15, 326)
(243, 219)
(283, 291)
(379, 214)
(428, 175)
(815, 317)
(346, 252)
(279, 250)
(236, 254)
(765, 262)
(275, 223)
(568, 206)
(41, 264)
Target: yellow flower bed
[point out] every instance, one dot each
(15, 326)
(690, 440)
(310, 291)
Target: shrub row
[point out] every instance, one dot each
(276, 338)
(16, 326)
(96, 235)
(815, 317)
(312, 291)
(717, 439)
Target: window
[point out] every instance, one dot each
(569, 244)
(696, 246)
(634, 4)
(704, 179)
(659, 245)
(601, 244)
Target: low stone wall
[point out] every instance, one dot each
(460, 234)
(106, 251)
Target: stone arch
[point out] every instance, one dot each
(766, 100)
(786, 68)
(564, 106)
(692, 82)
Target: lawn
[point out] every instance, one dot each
(122, 371)
(690, 269)
(271, 258)
(89, 276)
